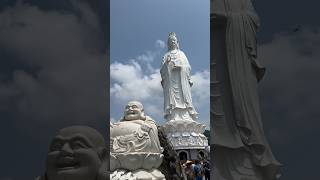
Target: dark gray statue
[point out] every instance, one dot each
(77, 153)
(241, 150)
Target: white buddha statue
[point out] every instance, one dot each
(135, 148)
(176, 83)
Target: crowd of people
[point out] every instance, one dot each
(191, 169)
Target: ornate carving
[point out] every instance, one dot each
(135, 149)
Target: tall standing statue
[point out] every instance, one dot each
(182, 129)
(241, 150)
(176, 82)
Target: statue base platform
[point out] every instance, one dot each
(187, 137)
(139, 174)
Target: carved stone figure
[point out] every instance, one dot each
(77, 153)
(135, 146)
(176, 82)
(181, 128)
(241, 150)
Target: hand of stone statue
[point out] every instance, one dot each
(168, 59)
(176, 64)
(172, 65)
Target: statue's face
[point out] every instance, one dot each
(72, 156)
(172, 43)
(133, 111)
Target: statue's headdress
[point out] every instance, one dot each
(172, 35)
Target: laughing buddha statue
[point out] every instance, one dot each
(134, 145)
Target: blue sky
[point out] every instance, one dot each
(139, 31)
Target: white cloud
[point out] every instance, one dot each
(160, 44)
(201, 87)
(289, 91)
(130, 81)
(147, 57)
(125, 72)
(67, 82)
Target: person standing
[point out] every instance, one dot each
(206, 167)
(198, 170)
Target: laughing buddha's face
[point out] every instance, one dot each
(74, 155)
(133, 111)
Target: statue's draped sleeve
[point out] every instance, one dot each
(244, 72)
(185, 81)
(164, 71)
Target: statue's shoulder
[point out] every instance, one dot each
(151, 121)
(182, 53)
(164, 57)
(148, 118)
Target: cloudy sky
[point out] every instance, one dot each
(139, 32)
(52, 74)
(289, 44)
(53, 71)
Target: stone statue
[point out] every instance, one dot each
(135, 147)
(241, 150)
(77, 153)
(175, 73)
(182, 129)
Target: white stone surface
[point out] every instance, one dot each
(176, 82)
(181, 128)
(184, 134)
(135, 151)
(141, 174)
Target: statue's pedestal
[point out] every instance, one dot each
(186, 137)
(140, 174)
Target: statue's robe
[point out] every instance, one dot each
(131, 136)
(238, 136)
(135, 150)
(175, 73)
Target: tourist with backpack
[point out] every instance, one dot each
(198, 170)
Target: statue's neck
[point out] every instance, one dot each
(173, 51)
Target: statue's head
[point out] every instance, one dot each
(173, 42)
(134, 111)
(77, 153)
